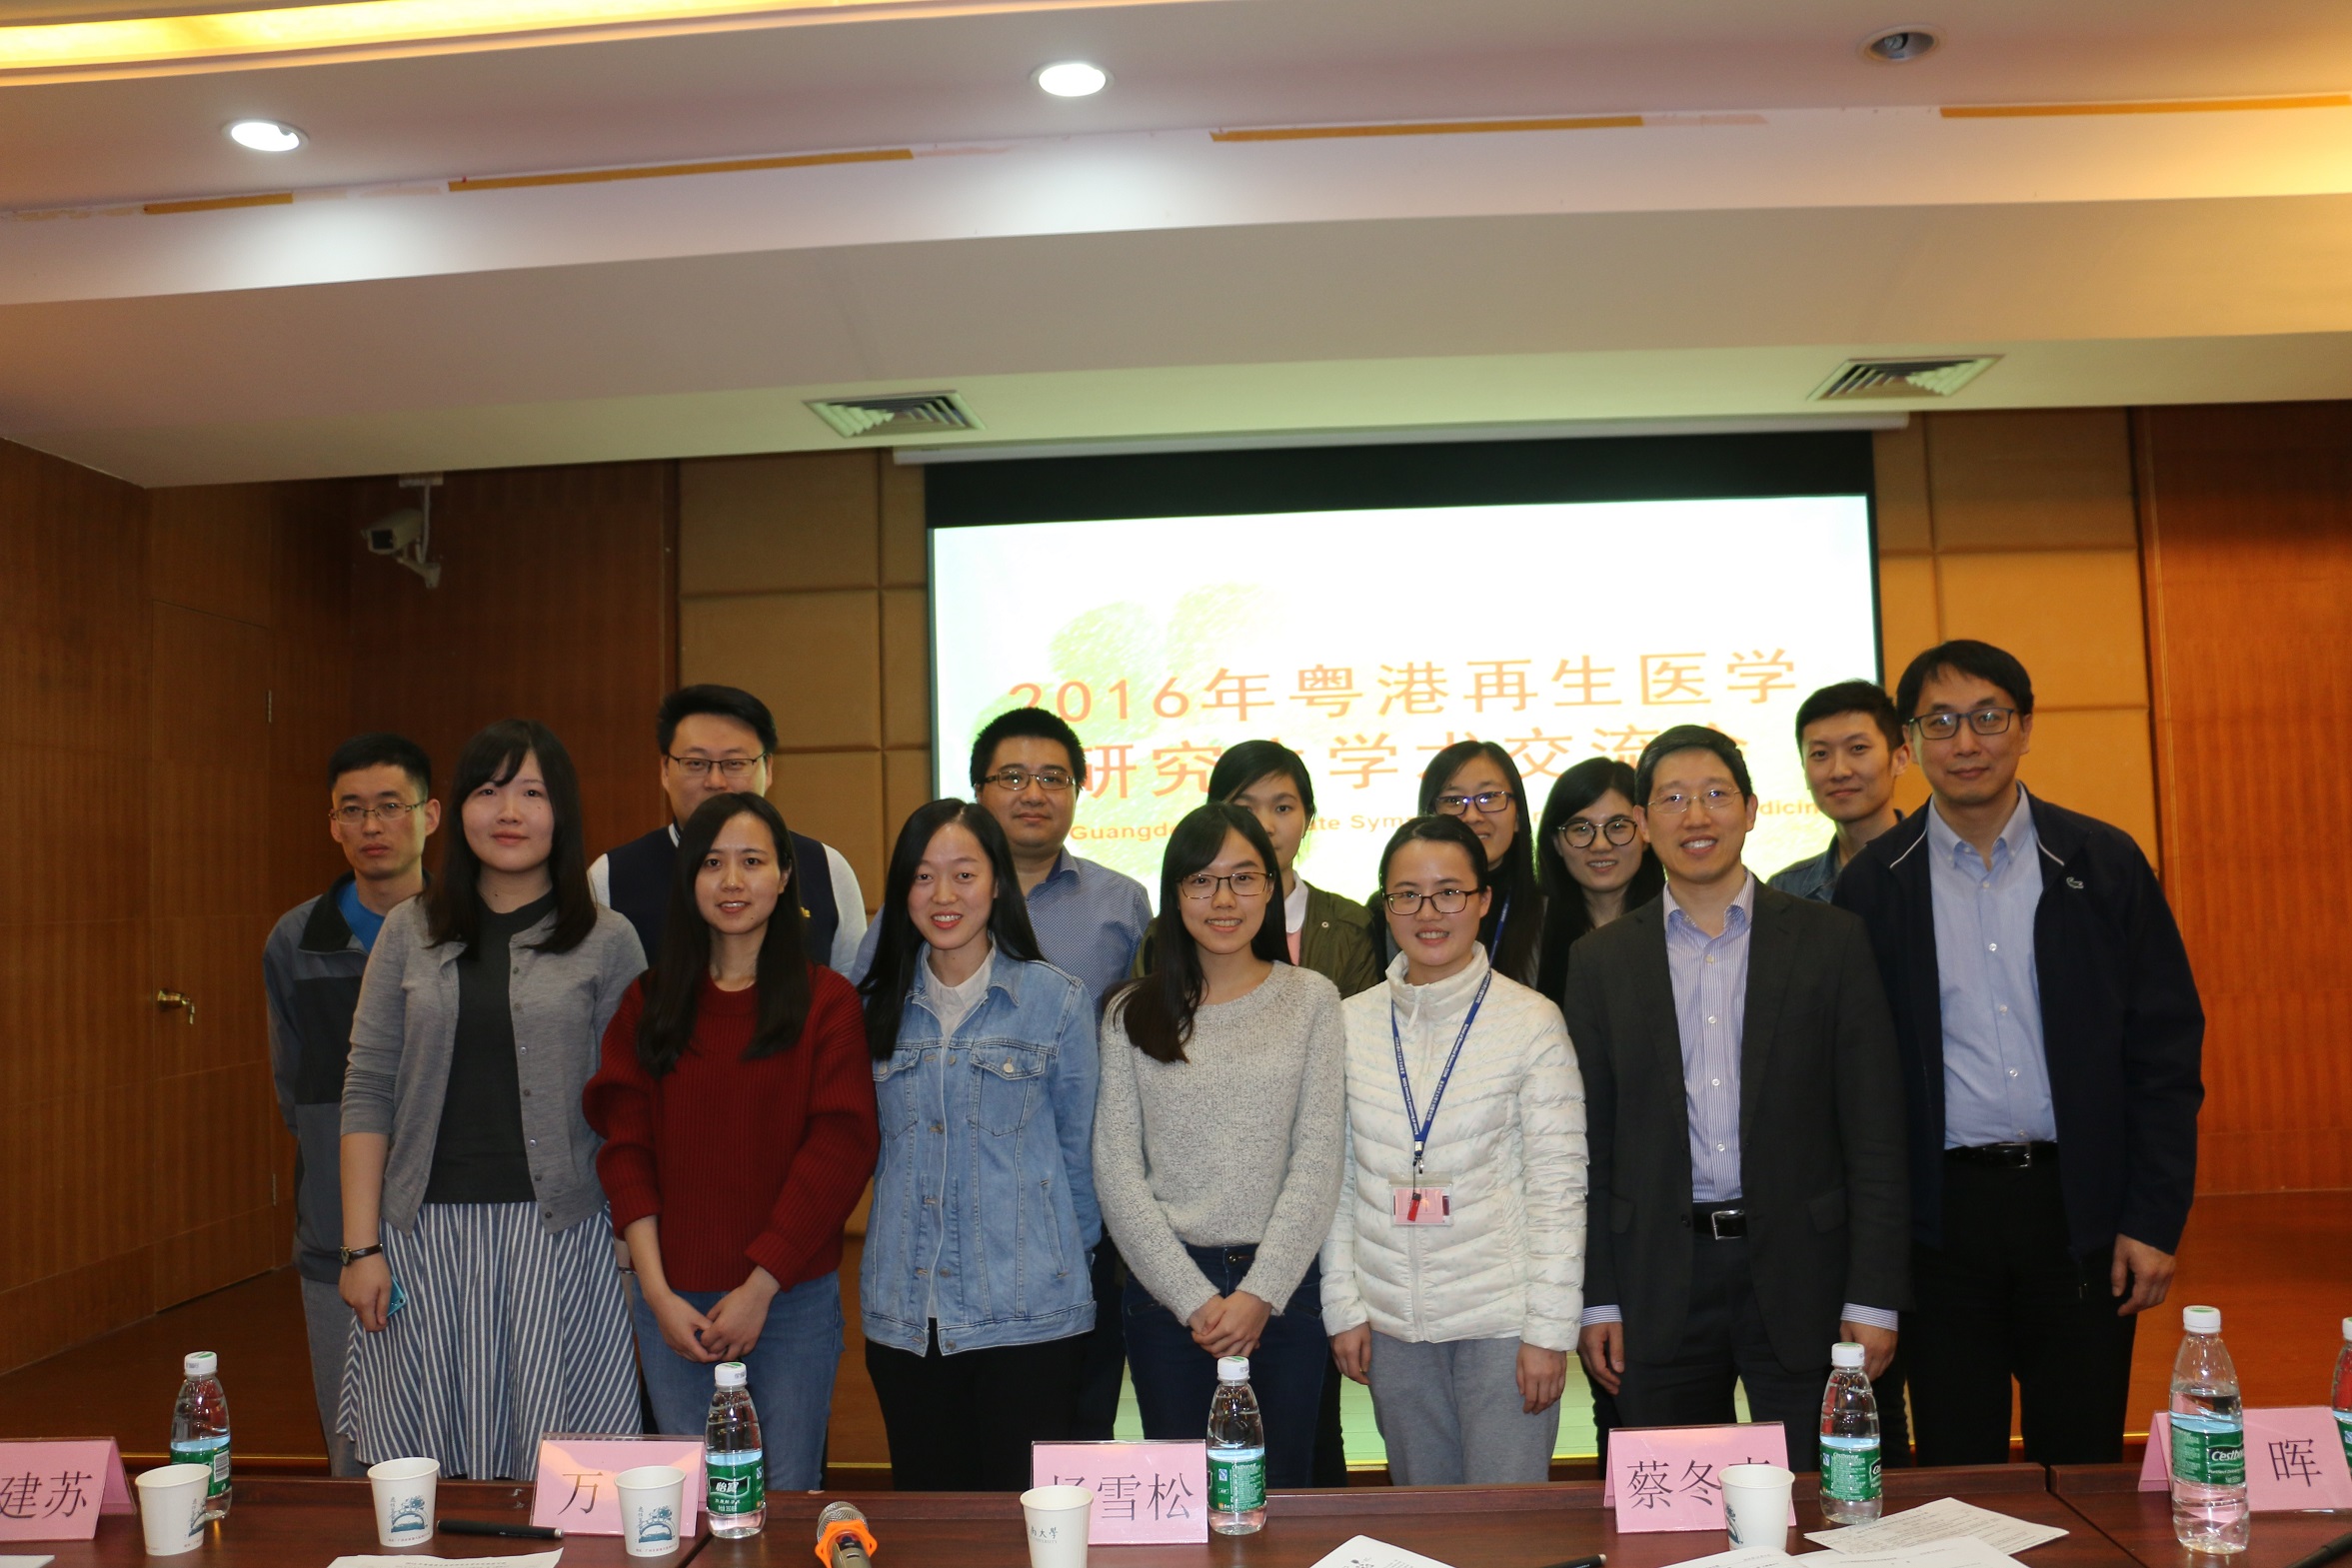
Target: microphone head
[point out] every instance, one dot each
(839, 1513)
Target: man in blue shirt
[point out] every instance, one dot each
(1854, 749)
(2052, 1043)
(380, 813)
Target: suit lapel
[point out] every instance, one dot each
(1654, 999)
(1770, 948)
(1917, 900)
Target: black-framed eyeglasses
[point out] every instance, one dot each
(1581, 831)
(385, 811)
(1446, 901)
(731, 768)
(1984, 721)
(1016, 780)
(1715, 801)
(1203, 884)
(1489, 803)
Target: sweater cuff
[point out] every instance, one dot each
(1870, 1317)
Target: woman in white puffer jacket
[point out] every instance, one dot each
(1455, 1290)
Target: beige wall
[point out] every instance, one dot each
(2019, 529)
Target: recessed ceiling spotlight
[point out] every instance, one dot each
(1072, 79)
(1899, 44)
(265, 136)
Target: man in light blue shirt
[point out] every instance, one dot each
(1996, 1080)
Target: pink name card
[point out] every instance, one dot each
(1145, 1493)
(1670, 1477)
(575, 1489)
(2294, 1459)
(55, 1490)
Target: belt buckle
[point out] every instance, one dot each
(2017, 1157)
(1715, 1223)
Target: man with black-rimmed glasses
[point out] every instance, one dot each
(2051, 1040)
(380, 811)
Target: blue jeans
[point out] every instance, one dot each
(1176, 1378)
(790, 1373)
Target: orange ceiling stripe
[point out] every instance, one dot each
(513, 182)
(221, 203)
(1312, 133)
(2158, 106)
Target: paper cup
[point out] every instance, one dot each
(171, 1507)
(1755, 1506)
(404, 1500)
(1058, 1517)
(653, 1502)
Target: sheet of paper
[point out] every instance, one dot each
(1364, 1552)
(1941, 1520)
(1749, 1557)
(25, 1562)
(1144, 1492)
(1959, 1551)
(410, 1560)
(2294, 1459)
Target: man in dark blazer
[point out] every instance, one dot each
(1744, 1119)
(2051, 1041)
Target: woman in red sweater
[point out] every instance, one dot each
(738, 1112)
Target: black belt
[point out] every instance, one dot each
(1720, 1221)
(2007, 1156)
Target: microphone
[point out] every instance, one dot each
(842, 1541)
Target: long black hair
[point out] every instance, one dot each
(1157, 1007)
(1246, 761)
(1518, 911)
(452, 906)
(900, 946)
(675, 985)
(1566, 917)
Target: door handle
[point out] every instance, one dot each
(177, 1000)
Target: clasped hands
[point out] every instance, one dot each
(727, 1332)
(1230, 1325)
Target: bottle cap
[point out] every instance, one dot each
(2348, 1328)
(730, 1374)
(1846, 1354)
(1233, 1369)
(2201, 1319)
(200, 1363)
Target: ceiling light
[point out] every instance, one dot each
(1072, 79)
(1899, 44)
(265, 136)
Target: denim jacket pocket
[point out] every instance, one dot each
(894, 1090)
(1012, 1078)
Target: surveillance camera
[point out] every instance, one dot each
(396, 533)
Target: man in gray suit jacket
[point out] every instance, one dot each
(1744, 1115)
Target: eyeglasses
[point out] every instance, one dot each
(1581, 831)
(1246, 885)
(732, 768)
(1016, 780)
(386, 813)
(1984, 721)
(1714, 801)
(1488, 805)
(1448, 900)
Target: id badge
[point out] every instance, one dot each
(1427, 1201)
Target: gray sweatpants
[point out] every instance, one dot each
(1450, 1414)
(327, 1322)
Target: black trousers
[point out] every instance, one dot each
(2006, 1297)
(1106, 1353)
(1724, 1341)
(964, 1423)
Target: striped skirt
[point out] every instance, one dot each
(507, 1333)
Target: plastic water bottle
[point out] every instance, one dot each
(1237, 1452)
(733, 1466)
(1849, 1441)
(2210, 1512)
(200, 1427)
(2341, 1398)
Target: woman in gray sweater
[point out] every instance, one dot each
(1217, 1143)
(478, 1256)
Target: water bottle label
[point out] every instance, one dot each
(1849, 1468)
(739, 1482)
(2344, 1430)
(1236, 1480)
(2209, 1451)
(213, 1451)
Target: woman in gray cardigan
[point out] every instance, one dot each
(478, 1260)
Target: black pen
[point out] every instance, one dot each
(518, 1532)
(1599, 1559)
(2334, 1549)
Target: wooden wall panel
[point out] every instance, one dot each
(2247, 514)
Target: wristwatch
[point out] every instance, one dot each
(352, 1255)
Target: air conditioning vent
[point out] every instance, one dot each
(1857, 378)
(923, 413)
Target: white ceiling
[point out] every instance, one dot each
(1103, 270)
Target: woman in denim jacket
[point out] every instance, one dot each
(976, 1289)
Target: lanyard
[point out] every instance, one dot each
(1421, 1125)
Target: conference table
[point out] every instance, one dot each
(2110, 1524)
